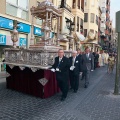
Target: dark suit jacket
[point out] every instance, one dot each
(64, 65)
(87, 63)
(80, 59)
(76, 70)
(96, 58)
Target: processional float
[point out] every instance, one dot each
(41, 55)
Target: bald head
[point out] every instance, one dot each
(74, 53)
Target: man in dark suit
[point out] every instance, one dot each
(96, 58)
(79, 55)
(61, 68)
(74, 71)
(87, 65)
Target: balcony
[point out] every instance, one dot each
(66, 6)
(77, 5)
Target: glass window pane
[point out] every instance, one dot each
(23, 4)
(19, 12)
(12, 10)
(24, 15)
(12, 1)
(38, 21)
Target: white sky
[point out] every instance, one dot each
(115, 6)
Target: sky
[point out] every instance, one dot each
(115, 6)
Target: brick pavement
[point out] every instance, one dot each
(94, 103)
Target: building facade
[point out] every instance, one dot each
(114, 41)
(91, 16)
(106, 25)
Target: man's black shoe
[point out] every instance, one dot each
(86, 86)
(62, 99)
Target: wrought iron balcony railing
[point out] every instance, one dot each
(66, 6)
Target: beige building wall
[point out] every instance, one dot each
(91, 7)
(63, 28)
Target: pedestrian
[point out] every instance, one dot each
(79, 55)
(111, 63)
(74, 71)
(61, 68)
(87, 65)
(103, 58)
(96, 58)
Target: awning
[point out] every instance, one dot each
(91, 38)
(62, 37)
(79, 36)
(91, 42)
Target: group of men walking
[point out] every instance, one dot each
(69, 69)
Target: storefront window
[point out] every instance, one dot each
(37, 39)
(14, 2)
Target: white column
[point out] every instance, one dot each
(76, 4)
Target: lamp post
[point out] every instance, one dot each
(116, 88)
(70, 25)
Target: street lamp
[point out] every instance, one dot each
(70, 25)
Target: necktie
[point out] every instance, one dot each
(87, 56)
(59, 62)
(73, 60)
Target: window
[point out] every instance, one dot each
(38, 21)
(86, 17)
(81, 26)
(73, 4)
(85, 32)
(78, 24)
(78, 4)
(96, 19)
(14, 2)
(91, 30)
(81, 22)
(85, 2)
(17, 8)
(92, 18)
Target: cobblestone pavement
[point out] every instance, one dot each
(94, 103)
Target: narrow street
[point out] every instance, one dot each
(94, 103)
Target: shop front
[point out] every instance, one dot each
(6, 26)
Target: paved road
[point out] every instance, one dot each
(94, 103)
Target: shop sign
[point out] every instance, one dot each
(2, 39)
(6, 23)
(37, 31)
(22, 42)
(24, 28)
